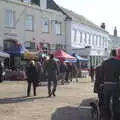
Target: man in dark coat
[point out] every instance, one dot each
(31, 73)
(110, 75)
(52, 70)
(98, 88)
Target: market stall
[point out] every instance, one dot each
(63, 56)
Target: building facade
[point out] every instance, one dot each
(86, 39)
(32, 25)
(115, 40)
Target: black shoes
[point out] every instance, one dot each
(50, 94)
(54, 94)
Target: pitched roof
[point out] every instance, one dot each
(72, 15)
(81, 19)
(52, 5)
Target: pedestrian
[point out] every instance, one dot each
(98, 88)
(31, 73)
(68, 72)
(110, 75)
(91, 73)
(39, 72)
(62, 72)
(52, 70)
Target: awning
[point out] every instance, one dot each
(4, 54)
(30, 55)
(62, 56)
(17, 50)
(70, 61)
(81, 58)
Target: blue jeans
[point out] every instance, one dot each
(111, 92)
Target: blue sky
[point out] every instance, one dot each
(97, 11)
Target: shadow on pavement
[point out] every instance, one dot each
(82, 112)
(19, 99)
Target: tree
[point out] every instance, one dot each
(103, 25)
(36, 2)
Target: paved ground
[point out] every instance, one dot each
(65, 106)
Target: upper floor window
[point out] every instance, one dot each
(78, 36)
(10, 18)
(45, 25)
(95, 39)
(91, 38)
(105, 42)
(58, 28)
(73, 35)
(83, 36)
(29, 22)
(93, 42)
(102, 40)
(88, 38)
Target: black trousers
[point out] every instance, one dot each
(29, 88)
(111, 92)
(0, 78)
(101, 103)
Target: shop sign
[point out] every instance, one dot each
(11, 34)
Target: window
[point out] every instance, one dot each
(73, 35)
(29, 22)
(83, 36)
(58, 28)
(88, 38)
(78, 36)
(85, 39)
(100, 41)
(96, 40)
(93, 39)
(45, 25)
(105, 42)
(10, 18)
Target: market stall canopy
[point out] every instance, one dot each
(4, 54)
(62, 56)
(17, 50)
(81, 58)
(30, 55)
(70, 61)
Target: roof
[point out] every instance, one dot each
(52, 5)
(81, 19)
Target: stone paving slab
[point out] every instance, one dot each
(65, 106)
